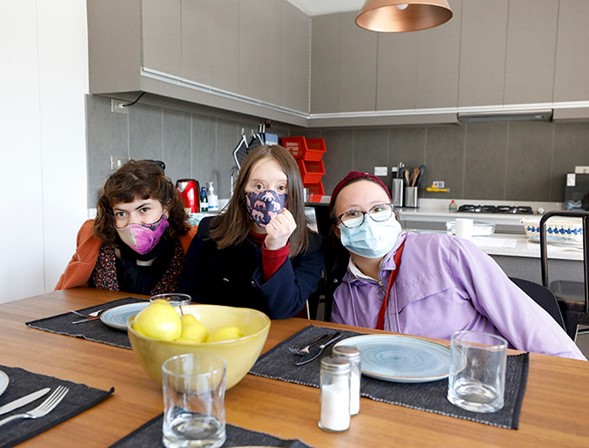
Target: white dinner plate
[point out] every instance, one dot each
(3, 382)
(117, 317)
(401, 359)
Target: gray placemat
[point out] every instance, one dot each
(278, 363)
(150, 436)
(22, 382)
(94, 331)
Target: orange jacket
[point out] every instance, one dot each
(80, 267)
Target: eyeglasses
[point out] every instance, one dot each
(355, 218)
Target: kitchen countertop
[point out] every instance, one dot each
(519, 246)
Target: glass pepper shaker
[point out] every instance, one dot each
(352, 354)
(335, 394)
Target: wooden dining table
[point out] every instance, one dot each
(555, 411)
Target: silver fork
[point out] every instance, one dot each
(305, 350)
(43, 409)
(87, 317)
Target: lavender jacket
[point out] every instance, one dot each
(447, 284)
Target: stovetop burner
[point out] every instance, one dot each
(513, 209)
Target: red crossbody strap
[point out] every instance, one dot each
(383, 307)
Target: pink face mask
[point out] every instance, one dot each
(143, 237)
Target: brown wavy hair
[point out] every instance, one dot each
(138, 179)
(233, 226)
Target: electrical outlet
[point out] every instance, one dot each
(582, 170)
(380, 170)
(117, 106)
(117, 162)
(571, 179)
(439, 184)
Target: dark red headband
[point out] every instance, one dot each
(351, 177)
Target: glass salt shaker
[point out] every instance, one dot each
(335, 394)
(352, 354)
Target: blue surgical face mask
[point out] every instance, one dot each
(372, 239)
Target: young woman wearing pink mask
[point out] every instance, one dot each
(258, 253)
(139, 237)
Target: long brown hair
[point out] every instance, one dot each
(138, 179)
(233, 226)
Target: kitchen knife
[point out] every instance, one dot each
(314, 352)
(19, 402)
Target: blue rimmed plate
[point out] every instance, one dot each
(401, 359)
(3, 382)
(117, 317)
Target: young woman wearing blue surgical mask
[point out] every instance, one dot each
(427, 284)
(258, 253)
(139, 237)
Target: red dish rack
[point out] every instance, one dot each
(308, 153)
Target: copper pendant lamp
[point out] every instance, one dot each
(398, 16)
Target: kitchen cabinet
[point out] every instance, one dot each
(247, 56)
(438, 58)
(482, 52)
(343, 65)
(357, 71)
(531, 51)
(209, 31)
(325, 63)
(572, 54)
(397, 83)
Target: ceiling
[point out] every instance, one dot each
(319, 7)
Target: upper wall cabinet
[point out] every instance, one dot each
(343, 65)
(531, 51)
(419, 70)
(572, 52)
(482, 52)
(492, 55)
(248, 56)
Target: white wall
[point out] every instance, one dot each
(43, 82)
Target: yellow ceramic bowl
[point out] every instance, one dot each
(240, 354)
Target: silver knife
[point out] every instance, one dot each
(316, 351)
(19, 402)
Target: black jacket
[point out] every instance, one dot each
(234, 277)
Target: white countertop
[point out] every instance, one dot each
(520, 246)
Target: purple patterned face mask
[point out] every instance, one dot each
(143, 237)
(262, 206)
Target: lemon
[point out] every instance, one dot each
(159, 320)
(193, 330)
(225, 334)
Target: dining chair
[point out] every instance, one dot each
(542, 296)
(572, 297)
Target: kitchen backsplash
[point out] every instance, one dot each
(515, 161)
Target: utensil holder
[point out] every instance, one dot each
(411, 197)
(397, 192)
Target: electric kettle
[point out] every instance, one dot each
(188, 190)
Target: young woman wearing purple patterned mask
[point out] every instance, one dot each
(258, 253)
(138, 240)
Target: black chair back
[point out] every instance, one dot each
(543, 297)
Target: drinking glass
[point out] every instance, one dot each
(174, 298)
(194, 401)
(477, 371)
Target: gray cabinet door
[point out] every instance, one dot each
(260, 39)
(357, 89)
(438, 59)
(294, 58)
(162, 39)
(396, 83)
(531, 49)
(210, 36)
(572, 56)
(482, 52)
(325, 63)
